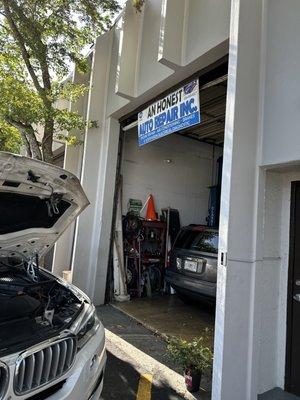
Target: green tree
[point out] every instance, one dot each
(10, 139)
(39, 42)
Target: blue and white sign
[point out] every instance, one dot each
(179, 110)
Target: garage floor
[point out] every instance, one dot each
(169, 316)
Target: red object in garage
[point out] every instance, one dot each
(151, 214)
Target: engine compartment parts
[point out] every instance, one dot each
(31, 307)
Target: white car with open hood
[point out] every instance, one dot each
(51, 341)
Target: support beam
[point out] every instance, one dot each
(172, 27)
(100, 152)
(241, 223)
(62, 258)
(129, 52)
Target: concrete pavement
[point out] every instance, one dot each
(157, 314)
(138, 368)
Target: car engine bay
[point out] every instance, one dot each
(34, 305)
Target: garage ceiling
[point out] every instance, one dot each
(212, 108)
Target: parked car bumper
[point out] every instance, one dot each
(84, 381)
(190, 286)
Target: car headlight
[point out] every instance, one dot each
(178, 263)
(87, 328)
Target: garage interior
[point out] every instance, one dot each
(182, 173)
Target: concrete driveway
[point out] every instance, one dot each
(138, 368)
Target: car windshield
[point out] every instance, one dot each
(204, 241)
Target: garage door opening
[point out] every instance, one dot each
(164, 259)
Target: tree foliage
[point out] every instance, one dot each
(39, 41)
(10, 139)
(138, 4)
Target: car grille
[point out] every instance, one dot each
(39, 368)
(3, 380)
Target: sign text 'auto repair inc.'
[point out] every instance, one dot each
(178, 110)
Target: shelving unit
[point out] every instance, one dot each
(145, 259)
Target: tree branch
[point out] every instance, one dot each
(18, 37)
(22, 134)
(41, 56)
(35, 34)
(47, 140)
(25, 142)
(5, 27)
(28, 138)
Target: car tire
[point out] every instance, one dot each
(131, 276)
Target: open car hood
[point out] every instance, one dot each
(38, 201)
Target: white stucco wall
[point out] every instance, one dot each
(262, 124)
(129, 69)
(236, 375)
(151, 72)
(200, 15)
(145, 68)
(281, 140)
(63, 250)
(280, 145)
(267, 289)
(181, 184)
(273, 277)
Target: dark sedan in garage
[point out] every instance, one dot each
(193, 263)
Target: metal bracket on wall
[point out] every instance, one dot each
(224, 258)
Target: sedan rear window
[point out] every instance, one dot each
(204, 241)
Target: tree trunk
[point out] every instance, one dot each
(25, 142)
(33, 143)
(28, 138)
(48, 141)
(11, 7)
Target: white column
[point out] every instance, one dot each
(92, 238)
(62, 258)
(237, 323)
(103, 223)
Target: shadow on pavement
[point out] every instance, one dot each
(140, 337)
(121, 382)
(135, 334)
